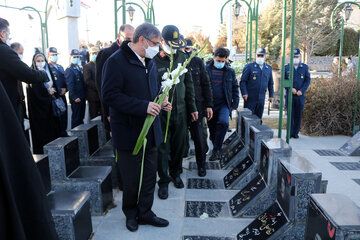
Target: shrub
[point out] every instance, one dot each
(329, 107)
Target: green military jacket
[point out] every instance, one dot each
(184, 98)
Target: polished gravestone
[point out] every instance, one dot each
(260, 192)
(286, 218)
(70, 210)
(67, 174)
(332, 217)
(247, 122)
(352, 147)
(212, 209)
(208, 166)
(354, 166)
(205, 238)
(87, 135)
(248, 168)
(241, 112)
(101, 130)
(204, 183)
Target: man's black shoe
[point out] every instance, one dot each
(132, 225)
(154, 221)
(178, 183)
(163, 192)
(216, 155)
(202, 172)
(296, 136)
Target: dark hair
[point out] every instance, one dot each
(122, 27)
(147, 30)
(221, 52)
(15, 46)
(4, 24)
(349, 57)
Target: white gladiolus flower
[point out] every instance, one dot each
(166, 83)
(165, 76)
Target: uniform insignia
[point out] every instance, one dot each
(302, 76)
(254, 78)
(175, 35)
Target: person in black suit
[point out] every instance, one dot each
(130, 84)
(77, 92)
(13, 69)
(92, 95)
(126, 32)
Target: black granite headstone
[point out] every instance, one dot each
(72, 161)
(236, 172)
(228, 156)
(352, 147)
(241, 112)
(212, 209)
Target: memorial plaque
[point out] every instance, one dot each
(208, 166)
(264, 162)
(265, 226)
(227, 157)
(212, 209)
(93, 139)
(204, 183)
(252, 144)
(229, 139)
(352, 147)
(346, 165)
(206, 238)
(242, 198)
(328, 153)
(284, 190)
(332, 217)
(72, 161)
(234, 174)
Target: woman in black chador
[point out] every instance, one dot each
(45, 127)
(24, 211)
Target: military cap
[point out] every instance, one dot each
(260, 51)
(297, 52)
(171, 35)
(74, 52)
(94, 49)
(189, 43)
(52, 50)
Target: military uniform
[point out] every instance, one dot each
(59, 75)
(301, 82)
(254, 82)
(76, 87)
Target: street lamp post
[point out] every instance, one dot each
(131, 12)
(347, 13)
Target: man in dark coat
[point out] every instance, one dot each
(25, 213)
(125, 33)
(183, 106)
(129, 88)
(77, 92)
(92, 95)
(61, 88)
(204, 104)
(13, 69)
(255, 80)
(225, 89)
(301, 82)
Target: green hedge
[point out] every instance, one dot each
(329, 107)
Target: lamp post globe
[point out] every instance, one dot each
(131, 12)
(237, 7)
(347, 12)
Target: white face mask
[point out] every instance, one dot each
(40, 65)
(151, 52)
(167, 49)
(296, 60)
(20, 56)
(8, 42)
(260, 60)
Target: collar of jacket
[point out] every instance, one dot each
(131, 56)
(1, 42)
(257, 65)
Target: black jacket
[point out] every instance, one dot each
(202, 86)
(24, 210)
(128, 90)
(92, 94)
(13, 69)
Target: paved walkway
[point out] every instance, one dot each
(112, 225)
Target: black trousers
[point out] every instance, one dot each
(78, 113)
(197, 134)
(64, 120)
(130, 167)
(94, 109)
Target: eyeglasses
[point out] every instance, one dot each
(157, 44)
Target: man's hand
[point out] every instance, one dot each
(294, 91)
(194, 116)
(77, 100)
(299, 93)
(166, 105)
(271, 99)
(52, 91)
(245, 97)
(108, 118)
(209, 113)
(153, 109)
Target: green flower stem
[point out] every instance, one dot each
(168, 116)
(142, 169)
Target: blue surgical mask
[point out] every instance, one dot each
(54, 58)
(93, 57)
(219, 65)
(75, 61)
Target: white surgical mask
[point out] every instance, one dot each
(40, 65)
(167, 49)
(260, 61)
(20, 56)
(151, 52)
(8, 42)
(296, 60)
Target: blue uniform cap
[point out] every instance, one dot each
(297, 52)
(260, 51)
(52, 50)
(74, 52)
